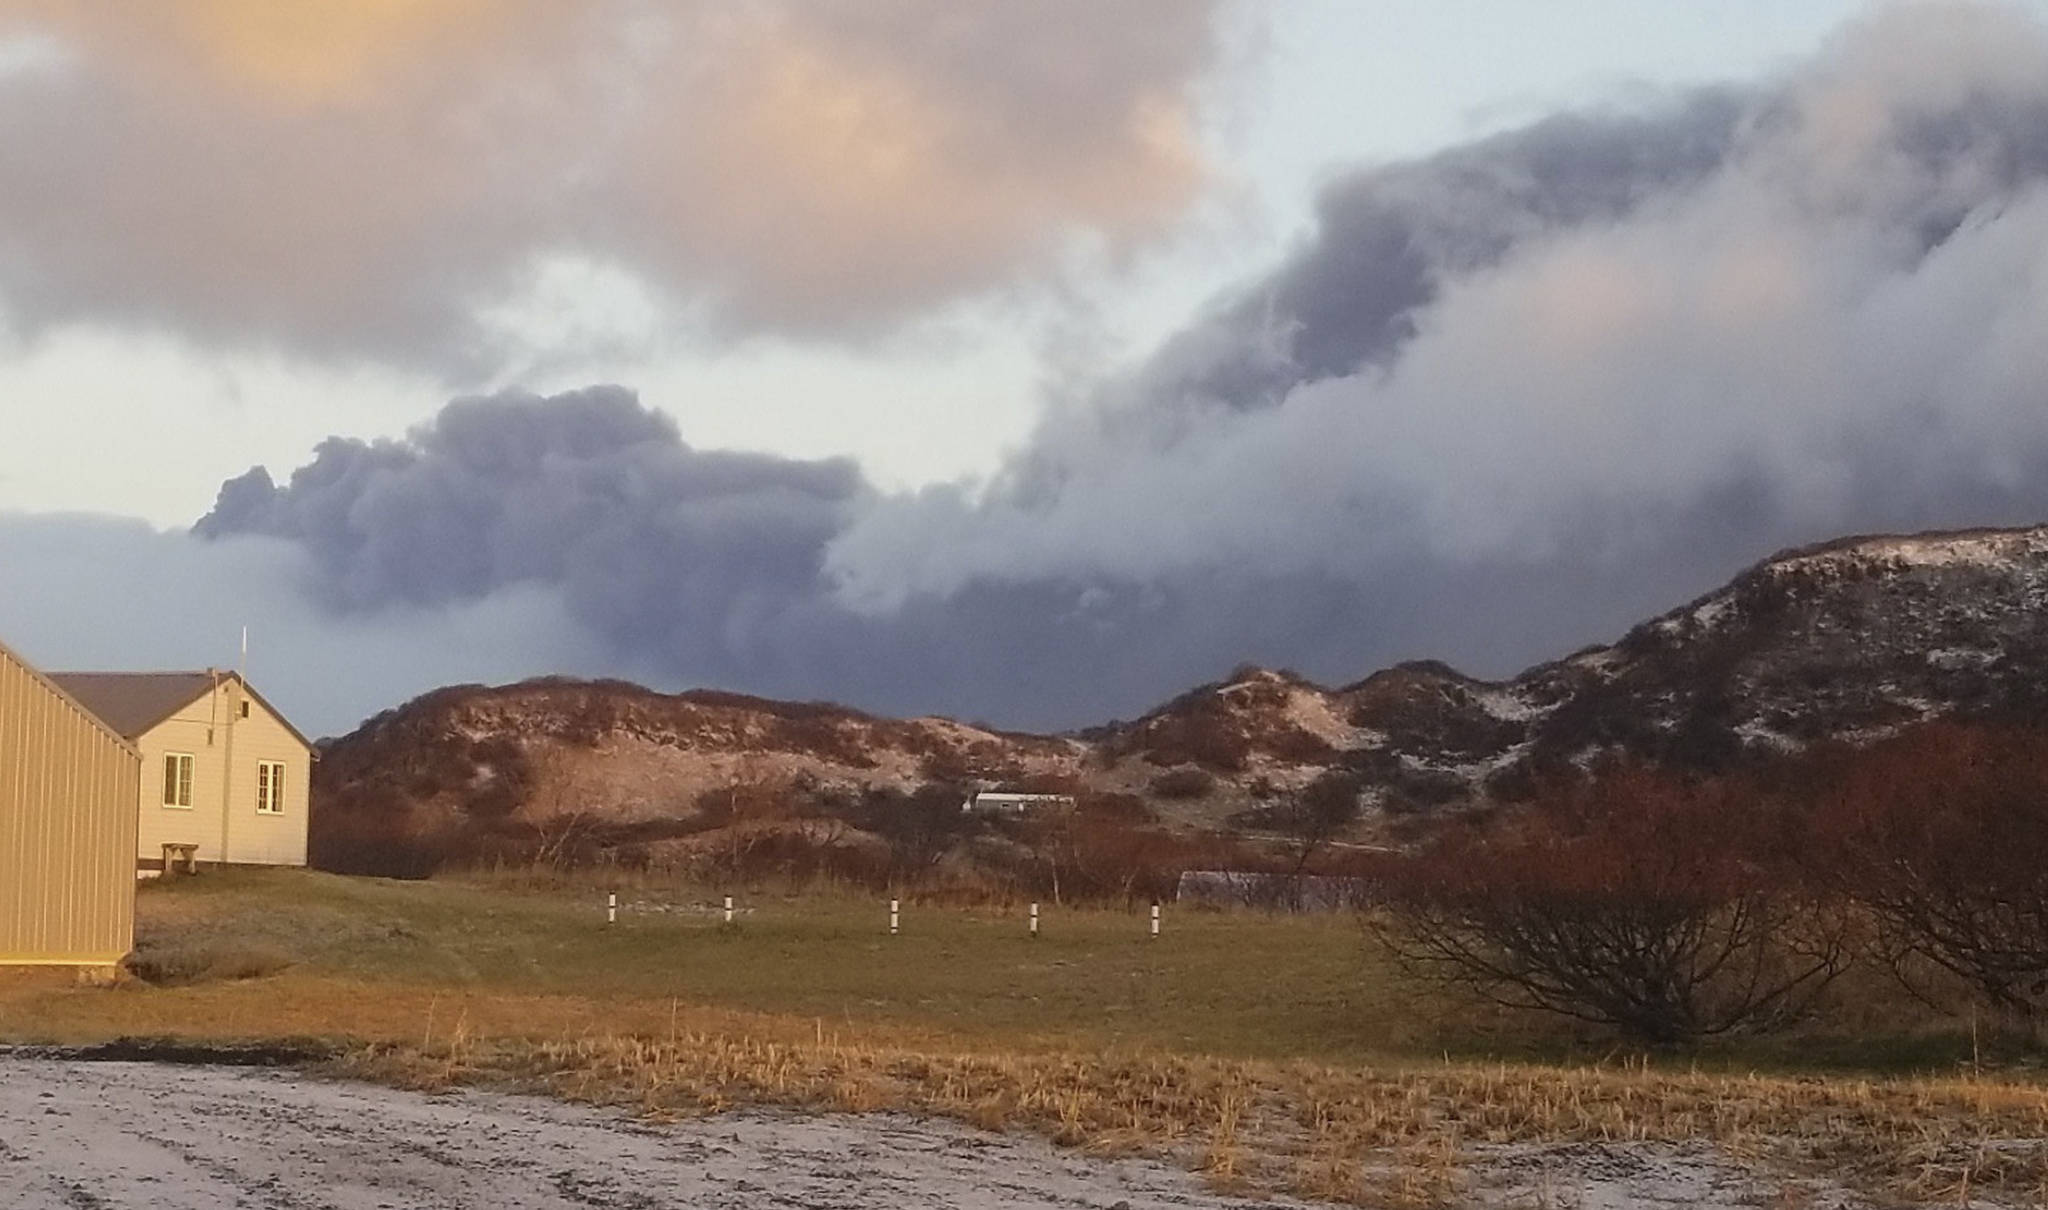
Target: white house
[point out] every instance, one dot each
(991, 802)
(226, 779)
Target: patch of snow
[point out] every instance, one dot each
(1262, 678)
(1957, 658)
(1918, 705)
(1755, 734)
(1475, 773)
(193, 1138)
(1618, 1175)
(1980, 550)
(1712, 611)
(1600, 659)
(1507, 705)
(1314, 713)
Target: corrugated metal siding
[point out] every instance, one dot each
(68, 788)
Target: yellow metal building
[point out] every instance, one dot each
(68, 787)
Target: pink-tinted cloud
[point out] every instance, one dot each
(359, 177)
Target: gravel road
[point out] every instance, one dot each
(76, 1135)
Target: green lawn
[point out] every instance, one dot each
(1237, 984)
(368, 958)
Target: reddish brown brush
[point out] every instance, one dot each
(1942, 834)
(1660, 908)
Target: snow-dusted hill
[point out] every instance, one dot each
(1847, 640)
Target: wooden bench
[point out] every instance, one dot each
(181, 859)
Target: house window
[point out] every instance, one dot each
(270, 787)
(178, 780)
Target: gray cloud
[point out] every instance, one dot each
(326, 671)
(345, 180)
(1801, 314)
(677, 565)
(1609, 359)
(587, 491)
(1388, 239)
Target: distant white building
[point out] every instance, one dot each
(992, 802)
(225, 777)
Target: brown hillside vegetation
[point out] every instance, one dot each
(464, 771)
(1845, 643)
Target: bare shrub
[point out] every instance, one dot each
(1086, 856)
(175, 965)
(1628, 900)
(919, 828)
(1124, 808)
(1942, 833)
(383, 844)
(1185, 782)
(565, 839)
(1085, 859)
(1320, 813)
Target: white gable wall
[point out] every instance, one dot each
(225, 748)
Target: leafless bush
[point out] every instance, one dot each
(1123, 808)
(1185, 782)
(383, 844)
(177, 965)
(919, 828)
(1628, 900)
(1942, 833)
(1084, 856)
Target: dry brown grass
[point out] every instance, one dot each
(431, 987)
(1400, 1136)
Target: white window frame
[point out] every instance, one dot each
(188, 769)
(270, 787)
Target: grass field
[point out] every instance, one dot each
(1272, 1049)
(1240, 985)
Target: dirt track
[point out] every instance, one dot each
(76, 1135)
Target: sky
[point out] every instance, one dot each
(1022, 363)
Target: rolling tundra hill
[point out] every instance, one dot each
(1849, 640)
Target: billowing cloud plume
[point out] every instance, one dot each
(672, 564)
(1509, 399)
(660, 546)
(1814, 307)
(368, 177)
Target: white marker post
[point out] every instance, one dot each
(1034, 920)
(895, 917)
(728, 909)
(611, 908)
(1155, 922)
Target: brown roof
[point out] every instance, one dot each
(133, 702)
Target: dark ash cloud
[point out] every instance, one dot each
(588, 491)
(1388, 238)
